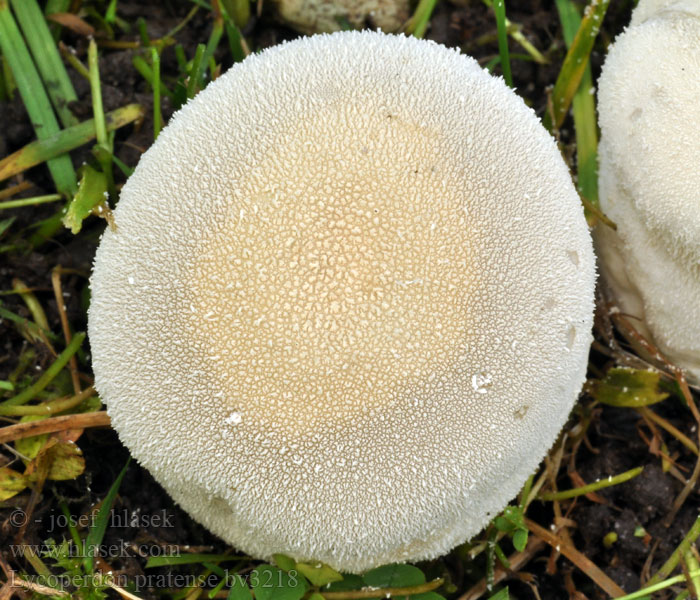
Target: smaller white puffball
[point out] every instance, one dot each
(650, 175)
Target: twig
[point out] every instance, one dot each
(592, 487)
(53, 424)
(61, 307)
(384, 592)
(673, 560)
(647, 413)
(581, 561)
(517, 561)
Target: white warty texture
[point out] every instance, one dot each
(649, 175)
(347, 306)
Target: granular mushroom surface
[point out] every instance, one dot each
(650, 176)
(347, 305)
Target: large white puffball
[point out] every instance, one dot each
(347, 306)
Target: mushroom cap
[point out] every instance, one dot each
(649, 177)
(647, 9)
(347, 306)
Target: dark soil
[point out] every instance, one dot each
(615, 439)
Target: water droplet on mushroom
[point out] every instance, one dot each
(234, 418)
(481, 382)
(573, 257)
(570, 337)
(521, 412)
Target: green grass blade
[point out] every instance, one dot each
(8, 81)
(213, 43)
(30, 201)
(583, 107)
(91, 193)
(157, 114)
(56, 6)
(70, 524)
(418, 23)
(49, 375)
(53, 7)
(499, 8)
(33, 328)
(195, 76)
(189, 559)
(47, 59)
(65, 140)
(34, 97)
(97, 530)
(96, 92)
(4, 88)
(575, 63)
(104, 147)
(238, 10)
(236, 43)
(147, 73)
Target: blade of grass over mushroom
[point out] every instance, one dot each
(65, 140)
(61, 361)
(34, 97)
(99, 527)
(418, 23)
(575, 63)
(47, 59)
(583, 112)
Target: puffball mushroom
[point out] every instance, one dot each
(650, 175)
(347, 305)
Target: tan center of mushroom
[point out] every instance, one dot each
(325, 286)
